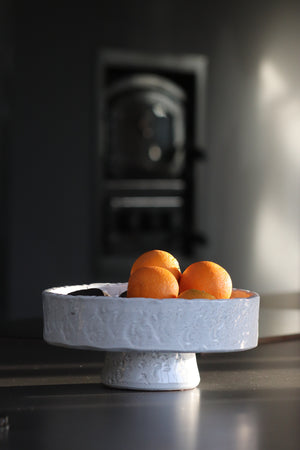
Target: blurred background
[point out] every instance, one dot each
(138, 125)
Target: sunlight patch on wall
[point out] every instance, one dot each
(272, 85)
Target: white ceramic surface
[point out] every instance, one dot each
(141, 330)
(151, 370)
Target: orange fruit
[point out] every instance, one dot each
(152, 282)
(207, 276)
(158, 258)
(195, 293)
(240, 293)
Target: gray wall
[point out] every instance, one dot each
(255, 145)
(250, 184)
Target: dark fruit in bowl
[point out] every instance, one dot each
(90, 292)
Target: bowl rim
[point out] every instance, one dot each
(59, 291)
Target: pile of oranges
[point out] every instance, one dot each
(157, 274)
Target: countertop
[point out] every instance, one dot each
(52, 398)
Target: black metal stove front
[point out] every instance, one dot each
(150, 130)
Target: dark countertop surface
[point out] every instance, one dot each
(53, 398)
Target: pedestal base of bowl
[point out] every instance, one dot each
(151, 371)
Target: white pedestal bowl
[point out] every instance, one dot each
(150, 344)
